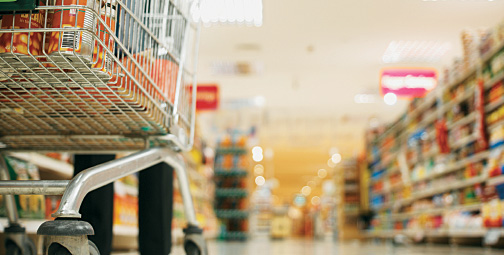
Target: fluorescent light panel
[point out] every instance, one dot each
(248, 12)
(415, 51)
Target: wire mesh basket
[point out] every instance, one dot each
(98, 75)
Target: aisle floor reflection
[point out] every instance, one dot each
(264, 246)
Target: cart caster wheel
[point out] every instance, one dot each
(58, 249)
(192, 249)
(194, 242)
(29, 248)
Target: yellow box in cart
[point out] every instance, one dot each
(29, 206)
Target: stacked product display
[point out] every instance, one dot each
(432, 170)
(348, 198)
(231, 203)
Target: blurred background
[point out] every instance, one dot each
(337, 120)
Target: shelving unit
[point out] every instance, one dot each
(231, 194)
(348, 198)
(448, 143)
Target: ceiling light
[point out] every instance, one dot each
(249, 12)
(257, 150)
(257, 157)
(306, 191)
(336, 158)
(331, 164)
(415, 51)
(259, 169)
(259, 180)
(390, 99)
(322, 173)
(315, 200)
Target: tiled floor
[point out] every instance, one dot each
(264, 246)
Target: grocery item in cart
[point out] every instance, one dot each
(73, 48)
(18, 48)
(160, 81)
(102, 61)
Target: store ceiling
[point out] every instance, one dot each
(310, 58)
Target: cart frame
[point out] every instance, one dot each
(124, 100)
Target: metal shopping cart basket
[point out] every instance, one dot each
(96, 75)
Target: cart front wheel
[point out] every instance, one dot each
(12, 249)
(58, 249)
(192, 249)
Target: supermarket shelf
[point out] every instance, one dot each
(427, 120)
(231, 173)
(495, 125)
(387, 190)
(455, 166)
(388, 173)
(494, 80)
(464, 121)
(495, 180)
(230, 192)
(437, 211)
(231, 214)
(494, 105)
(120, 230)
(46, 163)
(468, 233)
(397, 124)
(433, 191)
(492, 52)
(462, 77)
(449, 105)
(231, 150)
(464, 141)
(428, 101)
(235, 235)
(449, 186)
(390, 158)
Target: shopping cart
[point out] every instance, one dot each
(96, 76)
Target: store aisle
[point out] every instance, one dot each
(310, 247)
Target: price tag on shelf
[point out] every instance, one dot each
(492, 236)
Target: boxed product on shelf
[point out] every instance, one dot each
(28, 206)
(125, 210)
(491, 210)
(496, 162)
(51, 205)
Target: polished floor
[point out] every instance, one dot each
(263, 246)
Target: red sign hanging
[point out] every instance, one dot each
(408, 82)
(207, 97)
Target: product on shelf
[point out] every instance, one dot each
(28, 206)
(51, 205)
(125, 210)
(492, 210)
